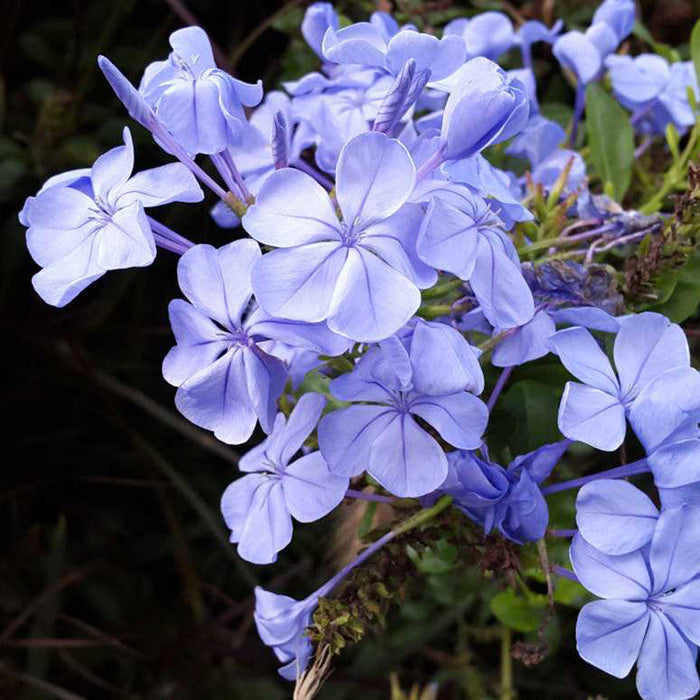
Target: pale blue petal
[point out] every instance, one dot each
(288, 436)
(126, 240)
(112, 169)
(582, 356)
(675, 555)
(615, 516)
(666, 667)
(173, 182)
(406, 460)
(310, 490)
(372, 300)
(622, 577)
(291, 209)
(609, 634)
(527, 343)
(346, 437)
(301, 283)
(375, 177)
(592, 416)
(460, 418)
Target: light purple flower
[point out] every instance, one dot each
(362, 275)
(258, 508)
(226, 380)
(201, 105)
(650, 612)
(395, 381)
(595, 410)
(488, 34)
(86, 222)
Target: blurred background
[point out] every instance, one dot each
(116, 576)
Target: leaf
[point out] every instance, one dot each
(610, 138)
(684, 298)
(517, 613)
(695, 48)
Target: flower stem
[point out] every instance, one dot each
(435, 161)
(363, 496)
(638, 467)
(579, 104)
(315, 174)
(502, 379)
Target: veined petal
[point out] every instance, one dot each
(265, 378)
(582, 356)
(61, 208)
(292, 209)
(666, 667)
(199, 342)
(217, 281)
(346, 437)
(615, 516)
(406, 460)
(216, 398)
(592, 416)
(623, 577)
(609, 634)
(310, 490)
(647, 345)
(371, 300)
(375, 176)
(126, 241)
(460, 418)
(448, 239)
(287, 439)
(173, 182)
(113, 169)
(300, 283)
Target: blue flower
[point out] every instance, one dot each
(507, 499)
(485, 107)
(619, 15)
(594, 411)
(539, 139)
(258, 508)
(362, 274)
(226, 380)
(318, 17)
(488, 34)
(201, 105)
(86, 222)
(460, 234)
(428, 373)
(368, 44)
(281, 623)
(650, 612)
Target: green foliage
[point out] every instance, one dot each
(611, 140)
(520, 613)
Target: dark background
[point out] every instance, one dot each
(116, 578)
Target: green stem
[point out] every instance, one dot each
(423, 516)
(442, 289)
(506, 666)
(434, 311)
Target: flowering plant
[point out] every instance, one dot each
(407, 228)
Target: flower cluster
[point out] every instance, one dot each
(391, 246)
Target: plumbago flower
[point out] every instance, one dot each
(508, 499)
(427, 371)
(226, 380)
(595, 410)
(646, 567)
(84, 223)
(461, 234)
(259, 507)
(201, 105)
(361, 274)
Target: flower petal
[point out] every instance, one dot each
(126, 241)
(375, 176)
(346, 436)
(173, 182)
(113, 169)
(286, 441)
(291, 209)
(372, 300)
(311, 491)
(300, 283)
(609, 634)
(624, 577)
(460, 418)
(615, 516)
(405, 460)
(592, 416)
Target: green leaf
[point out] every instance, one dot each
(695, 48)
(684, 298)
(610, 138)
(517, 613)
